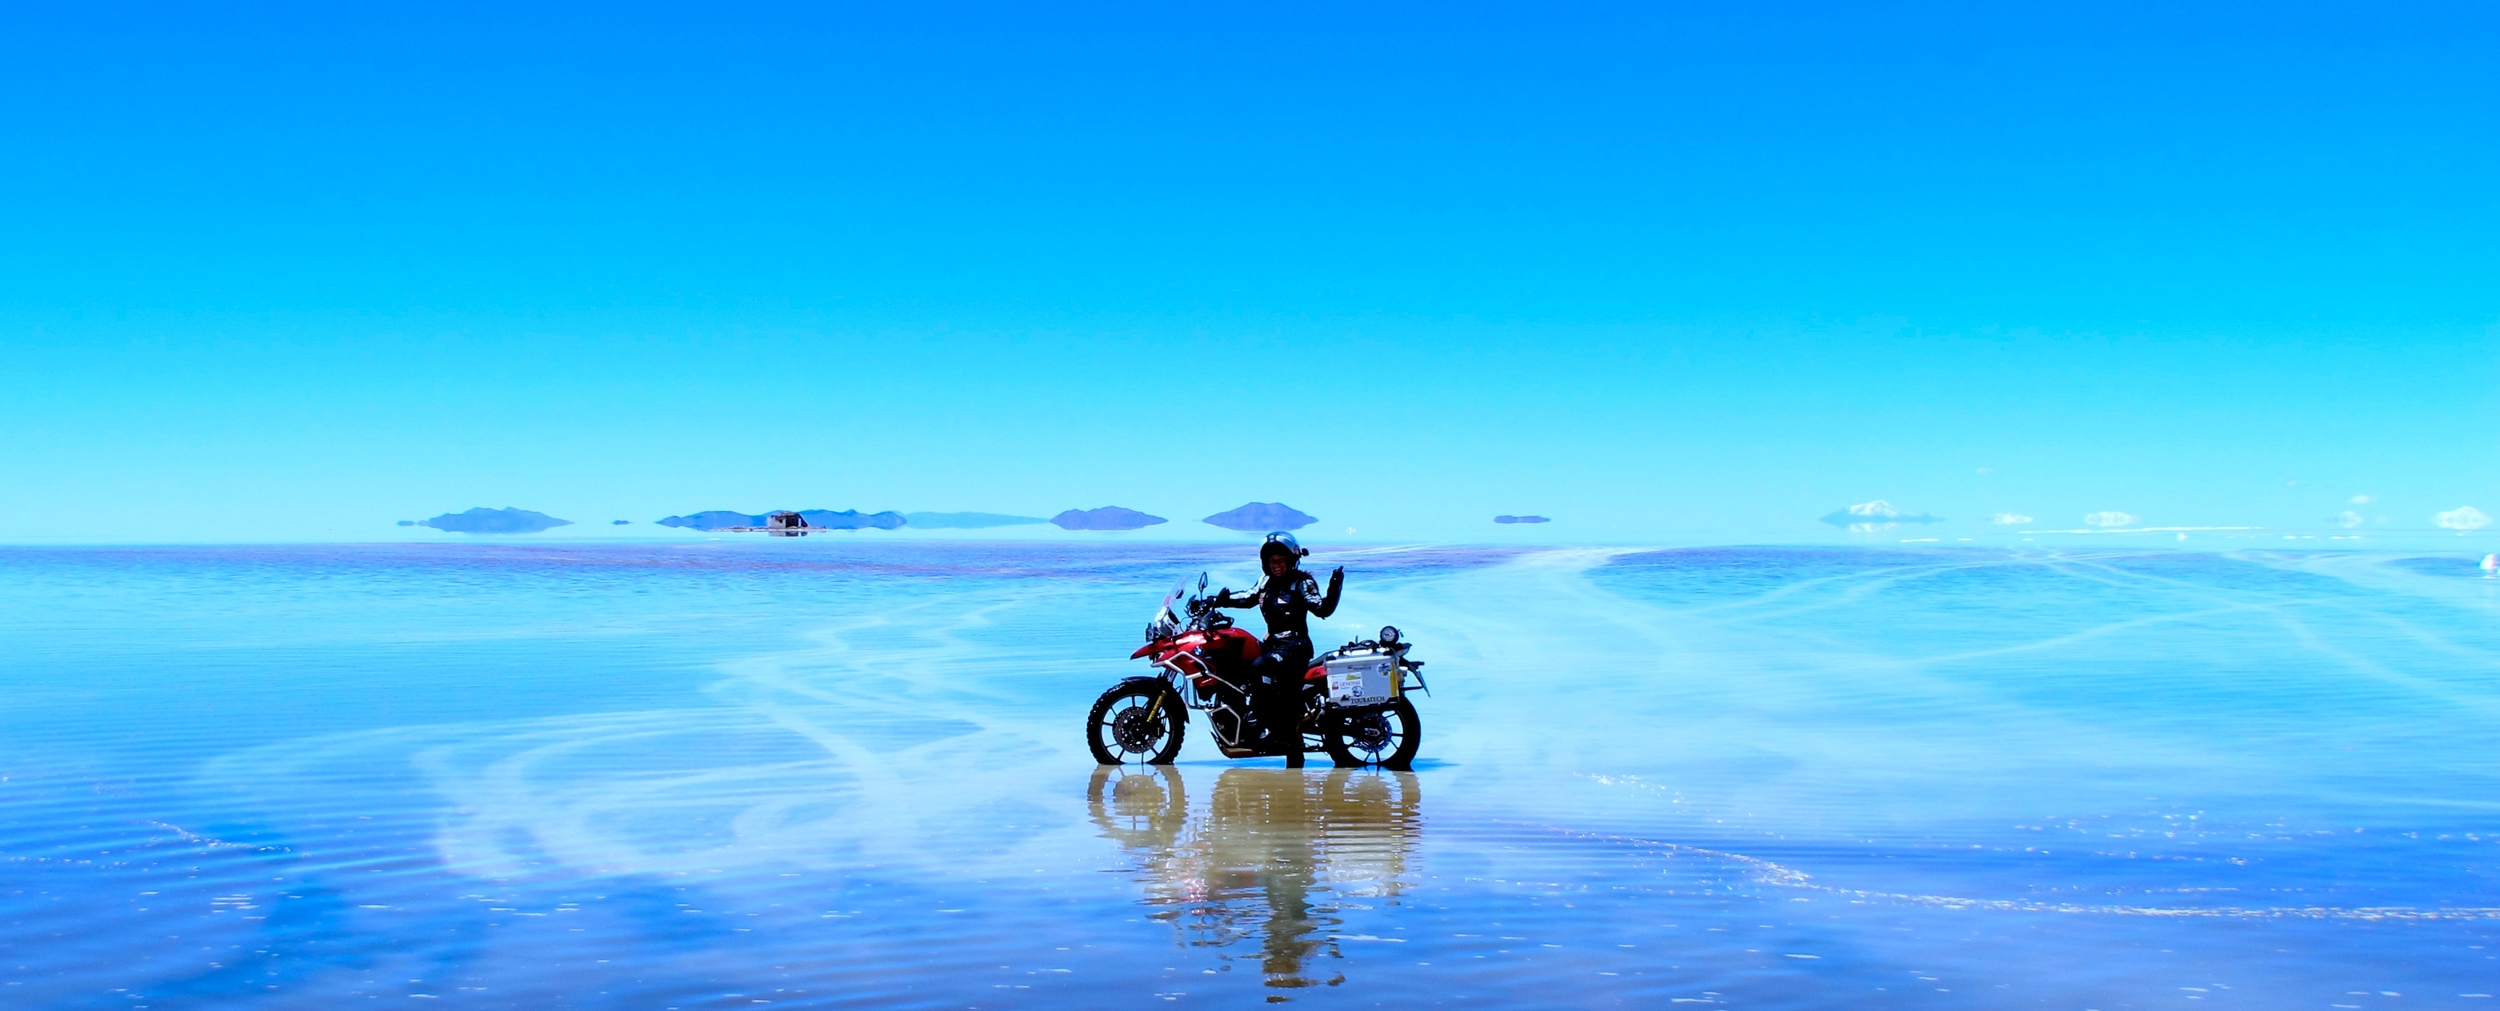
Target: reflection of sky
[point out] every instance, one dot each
(694, 777)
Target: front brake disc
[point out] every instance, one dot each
(1133, 730)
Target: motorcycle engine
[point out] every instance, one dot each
(1227, 725)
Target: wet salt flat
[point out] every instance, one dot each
(835, 772)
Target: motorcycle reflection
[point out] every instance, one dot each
(1274, 856)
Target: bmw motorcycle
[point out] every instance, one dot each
(1355, 703)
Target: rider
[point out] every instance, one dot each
(1285, 596)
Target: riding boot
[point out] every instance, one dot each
(1284, 726)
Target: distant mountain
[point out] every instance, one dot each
(1521, 519)
(823, 519)
(482, 520)
(1105, 518)
(1260, 517)
(714, 519)
(852, 519)
(967, 521)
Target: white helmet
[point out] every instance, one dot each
(1283, 542)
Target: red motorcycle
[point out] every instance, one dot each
(1354, 698)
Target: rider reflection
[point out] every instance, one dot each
(1268, 858)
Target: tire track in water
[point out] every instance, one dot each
(1559, 579)
(800, 761)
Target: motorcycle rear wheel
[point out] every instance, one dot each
(1136, 721)
(1387, 737)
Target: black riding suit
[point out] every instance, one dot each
(1286, 602)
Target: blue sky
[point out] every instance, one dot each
(1669, 274)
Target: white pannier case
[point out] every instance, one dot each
(1360, 680)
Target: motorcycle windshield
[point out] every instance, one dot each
(1163, 610)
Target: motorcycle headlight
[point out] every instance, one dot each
(1389, 635)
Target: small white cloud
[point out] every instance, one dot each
(2462, 518)
(2349, 519)
(1867, 517)
(2009, 519)
(2108, 518)
(2361, 500)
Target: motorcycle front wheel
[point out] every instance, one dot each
(1386, 737)
(1136, 721)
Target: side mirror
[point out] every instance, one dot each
(1202, 582)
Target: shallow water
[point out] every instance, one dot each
(832, 772)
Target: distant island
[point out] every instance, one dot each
(967, 521)
(1521, 519)
(1105, 518)
(482, 520)
(1260, 517)
(822, 519)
